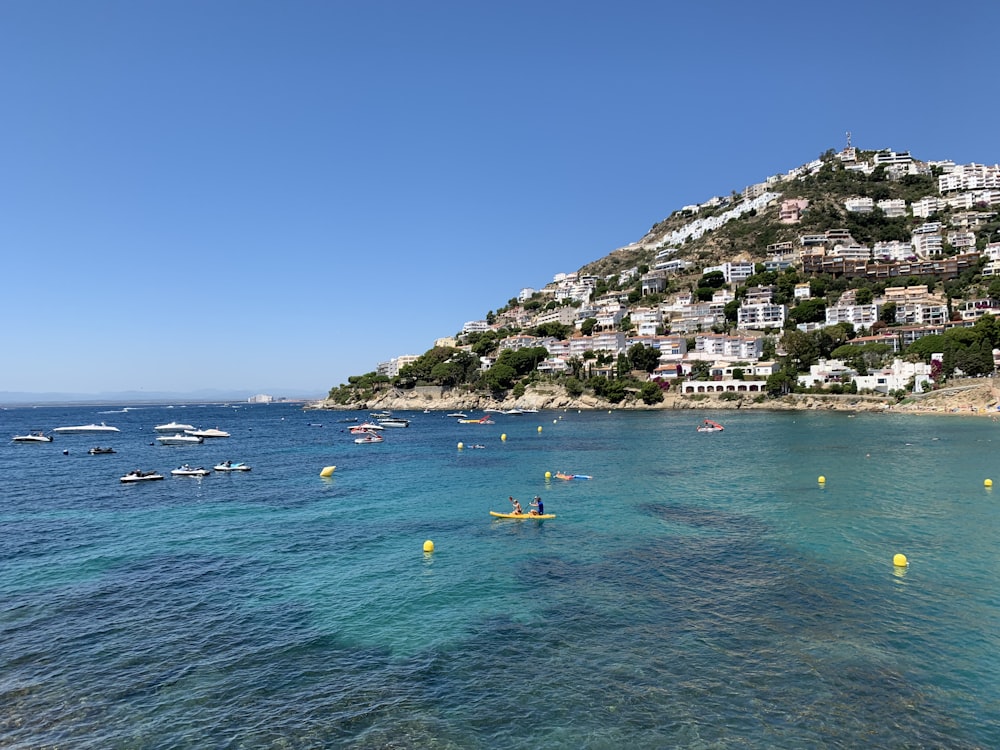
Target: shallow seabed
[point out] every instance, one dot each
(701, 591)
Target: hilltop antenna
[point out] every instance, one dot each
(848, 139)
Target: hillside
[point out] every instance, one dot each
(837, 258)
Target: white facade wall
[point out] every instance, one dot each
(860, 316)
(859, 205)
(761, 316)
(893, 208)
(931, 204)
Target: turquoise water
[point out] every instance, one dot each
(701, 591)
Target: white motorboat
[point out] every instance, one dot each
(173, 427)
(458, 415)
(366, 427)
(214, 432)
(141, 476)
(179, 439)
(393, 422)
(232, 466)
(35, 436)
(189, 471)
(371, 437)
(84, 428)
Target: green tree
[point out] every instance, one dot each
(650, 393)
(642, 357)
(500, 377)
(808, 311)
(573, 387)
(587, 326)
(801, 349)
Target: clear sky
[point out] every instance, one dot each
(272, 196)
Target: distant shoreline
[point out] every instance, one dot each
(974, 399)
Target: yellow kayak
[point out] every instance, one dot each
(522, 516)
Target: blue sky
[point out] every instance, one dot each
(272, 196)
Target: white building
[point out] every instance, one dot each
(860, 316)
(859, 205)
(928, 205)
(893, 208)
(895, 377)
(734, 273)
(751, 317)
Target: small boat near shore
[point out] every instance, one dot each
(35, 436)
(709, 426)
(371, 437)
(85, 428)
(179, 439)
(141, 476)
(393, 422)
(173, 427)
(213, 432)
(232, 466)
(189, 471)
(98, 451)
(523, 516)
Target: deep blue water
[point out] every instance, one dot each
(701, 591)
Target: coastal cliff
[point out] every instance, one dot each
(977, 396)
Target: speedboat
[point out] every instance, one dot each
(82, 428)
(173, 427)
(366, 427)
(393, 422)
(458, 415)
(380, 414)
(232, 466)
(35, 436)
(709, 426)
(100, 451)
(214, 432)
(179, 439)
(141, 476)
(371, 437)
(188, 471)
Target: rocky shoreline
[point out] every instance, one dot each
(978, 397)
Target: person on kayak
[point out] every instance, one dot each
(537, 506)
(516, 504)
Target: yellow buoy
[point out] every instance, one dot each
(822, 480)
(503, 436)
(539, 428)
(327, 471)
(548, 475)
(988, 483)
(899, 560)
(428, 546)
(461, 445)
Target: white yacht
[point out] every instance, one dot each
(179, 439)
(84, 428)
(35, 436)
(173, 427)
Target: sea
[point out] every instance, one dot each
(734, 589)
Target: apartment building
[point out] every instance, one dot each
(859, 316)
(734, 273)
(928, 205)
(859, 205)
(753, 317)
